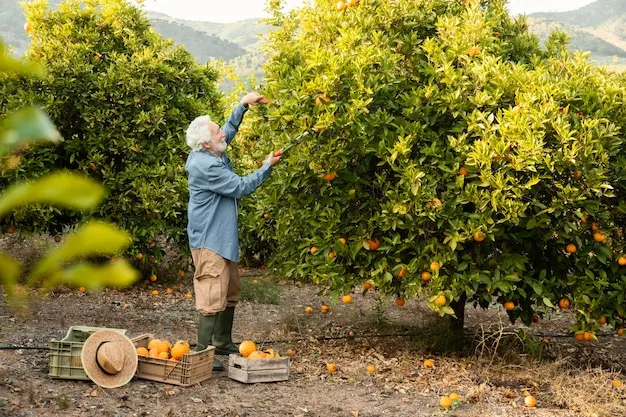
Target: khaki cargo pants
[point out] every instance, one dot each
(215, 282)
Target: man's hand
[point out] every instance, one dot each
(272, 159)
(253, 98)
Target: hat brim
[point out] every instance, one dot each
(93, 370)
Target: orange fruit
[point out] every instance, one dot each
(346, 299)
(564, 303)
(445, 402)
(27, 27)
(577, 175)
(463, 171)
(139, 256)
(180, 275)
(429, 363)
(324, 309)
(599, 237)
(617, 383)
(331, 367)
(178, 350)
(164, 355)
(169, 291)
(509, 305)
(10, 230)
(371, 369)
(155, 292)
(154, 352)
(153, 277)
(291, 353)
(473, 51)
(571, 248)
(255, 281)
(602, 320)
(587, 336)
(246, 348)
(595, 227)
(57, 238)
(479, 236)
(81, 289)
(314, 249)
(400, 302)
(164, 346)
(341, 6)
(351, 3)
(142, 351)
(441, 301)
(620, 331)
(329, 177)
(342, 240)
(435, 266)
(434, 203)
(188, 295)
(402, 273)
(579, 336)
(621, 260)
(367, 285)
(530, 401)
(153, 343)
(454, 396)
(374, 244)
(331, 255)
(308, 310)
(426, 276)
(256, 355)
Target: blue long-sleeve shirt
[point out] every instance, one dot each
(213, 193)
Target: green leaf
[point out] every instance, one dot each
(547, 302)
(9, 274)
(59, 189)
(13, 66)
(118, 275)
(93, 238)
(24, 126)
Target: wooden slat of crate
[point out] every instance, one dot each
(250, 371)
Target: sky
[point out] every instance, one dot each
(234, 10)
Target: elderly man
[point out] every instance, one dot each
(212, 228)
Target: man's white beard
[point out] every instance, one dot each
(220, 147)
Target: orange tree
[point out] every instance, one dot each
(122, 97)
(449, 158)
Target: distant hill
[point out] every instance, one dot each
(599, 28)
(202, 46)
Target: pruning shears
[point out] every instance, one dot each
(293, 143)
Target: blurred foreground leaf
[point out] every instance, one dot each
(26, 126)
(61, 189)
(94, 238)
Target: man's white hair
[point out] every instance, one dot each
(198, 133)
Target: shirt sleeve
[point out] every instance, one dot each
(234, 120)
(223, 181)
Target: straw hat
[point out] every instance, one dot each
(109, 358)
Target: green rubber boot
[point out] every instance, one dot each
(206, 328)
(222, 336)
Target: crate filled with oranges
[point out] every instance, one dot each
(256, 365)
(160, 360)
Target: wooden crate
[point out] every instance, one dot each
(192, 368)
(250, 371)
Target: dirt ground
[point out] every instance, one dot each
(571, 380)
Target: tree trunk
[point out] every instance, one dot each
(456, 324)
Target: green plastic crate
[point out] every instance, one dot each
(64, 354)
